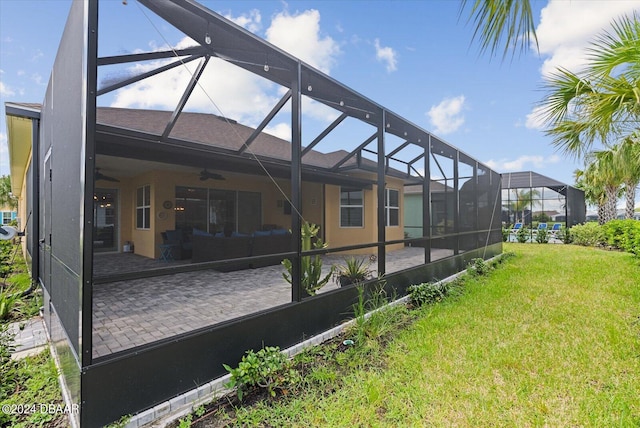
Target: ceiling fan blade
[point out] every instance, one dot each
(101, 176)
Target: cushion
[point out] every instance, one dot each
(262, 233)
(279, 232)
(198, 232)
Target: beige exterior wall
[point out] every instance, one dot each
(163, 183)
(337, 236)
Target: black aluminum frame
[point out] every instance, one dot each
(136, 379)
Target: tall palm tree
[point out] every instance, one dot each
(6, 198)
(627, 158)
(502, 21)
(602, 103)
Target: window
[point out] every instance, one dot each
(351, 207)
(6, 217)
(392, 207)
(143, 207)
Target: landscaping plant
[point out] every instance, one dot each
(268, 368)
(311, 266)
(589, 234)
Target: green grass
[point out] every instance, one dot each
(551, 338)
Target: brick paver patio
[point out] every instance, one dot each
(132, 313)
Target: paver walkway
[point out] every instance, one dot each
(30, 337)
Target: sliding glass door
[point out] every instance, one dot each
(218, 211)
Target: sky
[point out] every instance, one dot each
(416, 58)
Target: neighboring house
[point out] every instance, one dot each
(157, 236)
(527, 195)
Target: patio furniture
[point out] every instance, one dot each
(213, 248)
(516, 227)
(555, 229)
(182, 247)
(166, 252)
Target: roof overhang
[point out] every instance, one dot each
(19, 120)
(115, 141)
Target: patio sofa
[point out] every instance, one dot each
(207, 247)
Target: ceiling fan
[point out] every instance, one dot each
(101, 176)
(205, 175)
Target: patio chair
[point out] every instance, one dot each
(555, 229)
(516, 227)
(541, 226)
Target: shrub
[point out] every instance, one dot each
(542, 237)
(522, 235)
(268, 368)
(623, 234)
(589, 234)
(505, 234)
(478, 267)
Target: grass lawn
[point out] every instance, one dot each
(551, 338)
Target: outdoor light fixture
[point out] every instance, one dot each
(309, 88)
(207, 39)
(366, 116)
(266, 67)
(341, 103)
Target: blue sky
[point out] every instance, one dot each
(415, 58)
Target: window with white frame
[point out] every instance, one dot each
(392, 207)
(143, 207)
(351, 207)
(6, 217)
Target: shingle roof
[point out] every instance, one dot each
(211, 130)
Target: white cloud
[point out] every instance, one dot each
(280, 130)
(240, 95)
(447, 116)
(387, 56)
(300, 36)
(252, 21)
(236, 93)
(6, 91)
(523, 163)
(567, 27)
(535, 119)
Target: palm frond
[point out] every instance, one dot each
(617, 48)
(502, 22)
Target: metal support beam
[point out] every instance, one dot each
(296, 183)
(185, 97)
(88, 170)
(456, 202)
(35, 199)
(266, 121)
(197, 51)
(324, 133)
(381, 197)
(355, 151)
(426, 204)
(143, 76)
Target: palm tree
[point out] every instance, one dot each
(603, 102)
(594, 193)
(498, 21)
(6, 198)
(602, 172)
(524, 199)
(627, 158)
